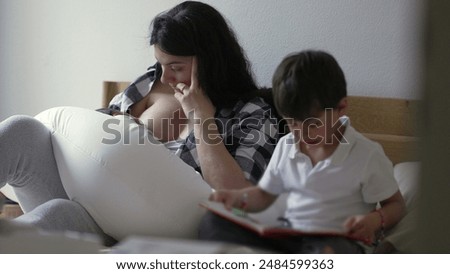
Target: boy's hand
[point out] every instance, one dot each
(363, 227)
(230, 198)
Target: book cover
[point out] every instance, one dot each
(275, 229)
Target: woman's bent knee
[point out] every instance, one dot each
(20, 125)
(61, 214)
(64, 215)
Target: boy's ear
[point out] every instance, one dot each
(342, 106)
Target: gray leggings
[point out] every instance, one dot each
(28, 164)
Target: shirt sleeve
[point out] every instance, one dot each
(379, 182)
(252, 140)
(271, 180)
(135, 92)
(249, 133)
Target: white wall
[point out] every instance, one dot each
(58, 52)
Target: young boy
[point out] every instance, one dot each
(335, 176)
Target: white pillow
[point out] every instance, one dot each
(407, 176)
(128, 187)
(8, 191)
(401, 236)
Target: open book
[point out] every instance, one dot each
(275, 229)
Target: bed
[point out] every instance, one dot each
(388, 121)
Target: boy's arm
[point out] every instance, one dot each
(392, 210)
(252, 199)
(390, 213)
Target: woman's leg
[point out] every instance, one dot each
(27, 162)
(62, 214)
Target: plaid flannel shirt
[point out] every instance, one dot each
(249, 130)
(136, 91)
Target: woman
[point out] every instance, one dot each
(198, 100)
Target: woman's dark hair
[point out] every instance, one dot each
(194, 28)
(307, 82)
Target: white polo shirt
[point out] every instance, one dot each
(350, 182)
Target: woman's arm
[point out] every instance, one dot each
(218, 166)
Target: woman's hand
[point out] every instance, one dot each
(194, 101)
(219, 168)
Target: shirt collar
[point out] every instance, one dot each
(346, 144)
(342, 150)
(290, 140)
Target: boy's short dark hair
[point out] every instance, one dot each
(306, 83)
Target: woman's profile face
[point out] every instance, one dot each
(175, 69)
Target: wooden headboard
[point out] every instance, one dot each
(111, 88)
(388, 121)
